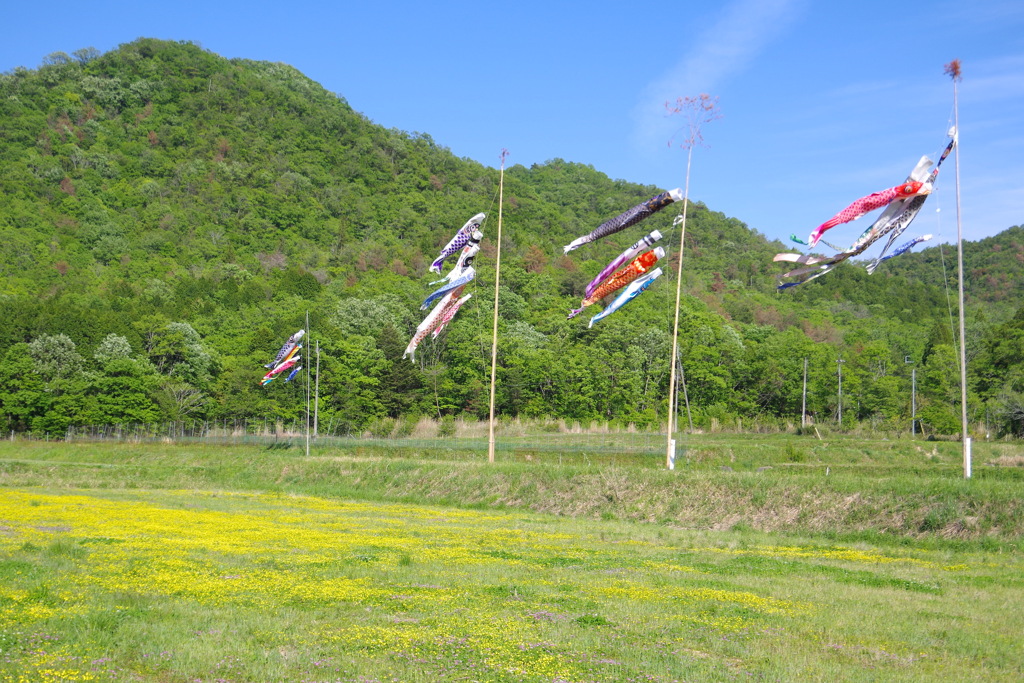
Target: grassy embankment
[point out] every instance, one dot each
(844, 487)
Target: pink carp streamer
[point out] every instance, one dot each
(897, 231)
(623, 258)
(635, 269)
(894, 220)
(427, 326)
(449, 312)
(627, 218)
(819, 266)
(438, 317)
(875, 200)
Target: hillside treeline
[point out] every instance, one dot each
(169, 217)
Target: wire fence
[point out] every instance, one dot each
(431, 436)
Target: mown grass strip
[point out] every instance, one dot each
(849, 503)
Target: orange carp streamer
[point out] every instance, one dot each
(637, 267)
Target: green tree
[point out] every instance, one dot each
(56, 359)
(123, 393)
(23, 392)
(178, 352)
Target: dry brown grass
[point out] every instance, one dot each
(426, 428)
(1008, 461)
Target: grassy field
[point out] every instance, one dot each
(776, 558)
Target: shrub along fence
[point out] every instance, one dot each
(423, 434)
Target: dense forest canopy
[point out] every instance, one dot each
(170, 217)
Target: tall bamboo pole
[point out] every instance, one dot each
(316, 394)
(670, 453)
(494, 333)
(697, 111)
(307, 391)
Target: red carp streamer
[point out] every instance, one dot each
(637, 267)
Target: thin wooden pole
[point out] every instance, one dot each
(953, 69)
(494, 333)
(698, 111)
(670, 453)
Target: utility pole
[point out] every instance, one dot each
(913, 396)
(686, 397)
(803, 405)
(316, 395)
(840, 363)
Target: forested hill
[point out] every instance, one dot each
(170, 216)
(994, 269)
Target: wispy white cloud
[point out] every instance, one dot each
(992, 13)
(723, 48)
(994, 79)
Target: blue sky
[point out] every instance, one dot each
(821, 102)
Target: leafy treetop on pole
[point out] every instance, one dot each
(953, 70)
(697, 110)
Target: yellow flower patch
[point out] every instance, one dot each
(836, 553)
(409, 584)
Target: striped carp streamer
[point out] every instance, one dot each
(466, 256)
(875, 200)
(632, 291)
(467, 276)
(627, 218)
(902, 249)
(623, 258)
(637, 267)
(458, 241)
(288, 346)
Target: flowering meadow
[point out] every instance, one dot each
(206, 586)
